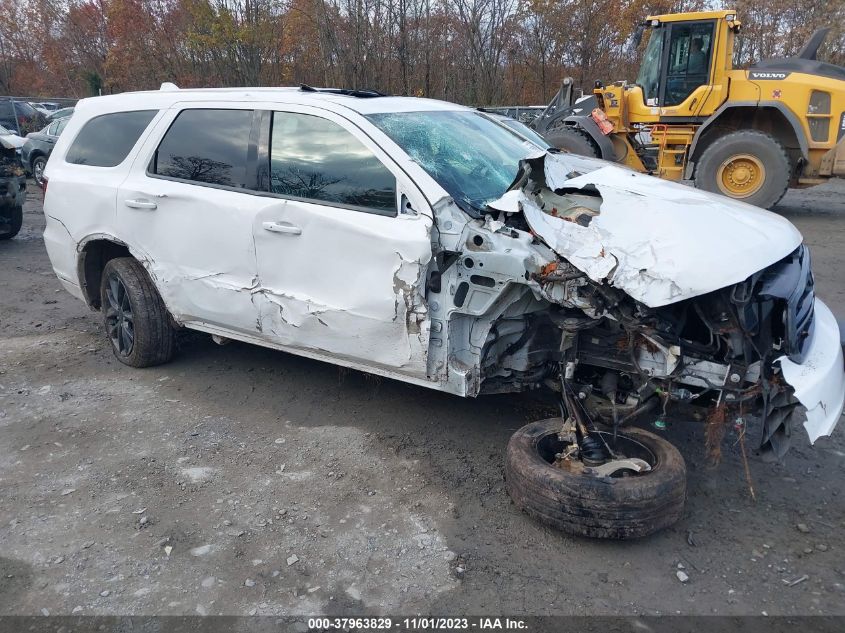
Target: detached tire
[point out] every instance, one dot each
(573, 140)
(750, 166)
(136, 321)
(587, 505)
(15, 216)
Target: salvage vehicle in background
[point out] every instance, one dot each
(59, 114)
(20, 117)
(45, 107)
(11, 138)
(38, 147)
(517, 127)
(424, 241)
(523, 114)
(12, 189)
(747, 134)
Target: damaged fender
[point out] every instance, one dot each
(819, 381)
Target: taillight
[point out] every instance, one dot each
(43, 187)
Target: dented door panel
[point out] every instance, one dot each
(347, 283)
(343, 279)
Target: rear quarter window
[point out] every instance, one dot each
(105, 141)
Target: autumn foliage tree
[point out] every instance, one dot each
(472, 51)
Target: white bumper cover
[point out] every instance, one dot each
(819, 382)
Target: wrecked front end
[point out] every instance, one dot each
(12, 190)
(12, 177)
(632, 298)
(723, 352)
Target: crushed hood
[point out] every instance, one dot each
(659, 241)
(12, 141)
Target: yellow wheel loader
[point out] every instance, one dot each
(748, 134)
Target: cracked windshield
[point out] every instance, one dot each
(474, 159)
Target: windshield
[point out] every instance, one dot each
(474, 159)
(649, 76)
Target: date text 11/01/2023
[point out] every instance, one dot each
(416, 624)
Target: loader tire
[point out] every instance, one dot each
(749, 166)
(571, 139)
(137, 323)
(588, 505)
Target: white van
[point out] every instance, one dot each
(426, 242)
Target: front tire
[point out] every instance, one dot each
(38, 165)
(750, 166)
(573, 140)
(589, 505)
(136, 321)
(15, 217)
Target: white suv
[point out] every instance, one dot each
(427, 242)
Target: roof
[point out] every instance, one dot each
(693, 15)
(291, 95)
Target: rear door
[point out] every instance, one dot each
(51, 135)
(187, 209)
(342, 243)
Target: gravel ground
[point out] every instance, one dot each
(239, 480)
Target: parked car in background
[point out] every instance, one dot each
(20, 117)
(12, 190)
(517, 127)
(38, 147)
(525, 114)
(61, 113)
(45, 107)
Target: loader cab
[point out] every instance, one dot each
(685, 60)
(677, 61)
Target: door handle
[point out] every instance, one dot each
(140, 204)
(282, 227)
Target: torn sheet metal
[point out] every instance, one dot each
(819, 381)
(659, 241)
(12, 141)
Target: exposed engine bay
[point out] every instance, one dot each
(611, 356)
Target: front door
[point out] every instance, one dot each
(686, 66)
(342, 243)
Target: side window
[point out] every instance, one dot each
(206, 145)
(690, 50)
(61, 124)
(316, 159)
(51, 129)
(105, 140)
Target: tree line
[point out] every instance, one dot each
(478, 52)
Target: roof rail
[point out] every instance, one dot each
(349, 92)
